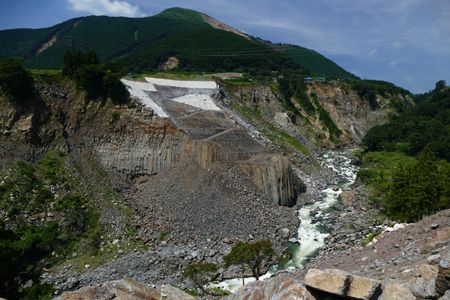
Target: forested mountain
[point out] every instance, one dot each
(188, 39)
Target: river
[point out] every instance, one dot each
(311, 236)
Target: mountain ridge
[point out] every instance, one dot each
(199, 41)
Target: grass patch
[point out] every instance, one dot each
(370, 238)
(378, 168)
(115, 117)
(273, 133)
(282, 138)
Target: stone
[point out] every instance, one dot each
(434, 226)
(441, 236)
(395, 290)
(333, 281)
(434, 259)
(285, 233)
(126, 289)
(446, 296)
(423, 289)
(428, 272)
(25, 124)
(348, 196)
(364, 288)
(443, 277)
(282, 287)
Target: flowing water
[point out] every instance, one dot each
(311, 236)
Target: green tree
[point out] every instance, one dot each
(15, 81)
(418, 190)
(441, 84)
(114, 88)
(74, 59)
(201, 274)
(252, 255)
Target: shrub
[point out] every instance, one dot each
(16, 82)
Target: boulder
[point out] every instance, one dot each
(343, 284)
(446, 296)
(126, 289)
(443, 277)
(428, 272)
(330, 280)
(285, 232)
(348, 196)
(282, 287)
(423, 289)
(434, 259)
(441, 236)
(395, 290)
(364, 288)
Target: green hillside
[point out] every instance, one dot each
(315, 62)
(146, 43)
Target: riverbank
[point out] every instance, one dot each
(336, 175)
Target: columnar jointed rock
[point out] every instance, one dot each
(342, 283)
(443, 278)
(272, 174)
(126, 289)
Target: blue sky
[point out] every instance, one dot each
(403, 41)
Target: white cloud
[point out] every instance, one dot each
(394, 63)
(106, 7)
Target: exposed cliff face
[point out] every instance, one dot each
(351, 113)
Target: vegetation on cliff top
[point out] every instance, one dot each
(16, 82)
(99, 81)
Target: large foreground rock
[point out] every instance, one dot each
(423, 289)
(443, 277)
(126, 289)
(395, 290)
(364, 288)
(282, 287)
(331, 280)
(343, 284)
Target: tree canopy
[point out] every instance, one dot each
(15, 81)
(99, 81)
(418, 190)
(252, 255)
